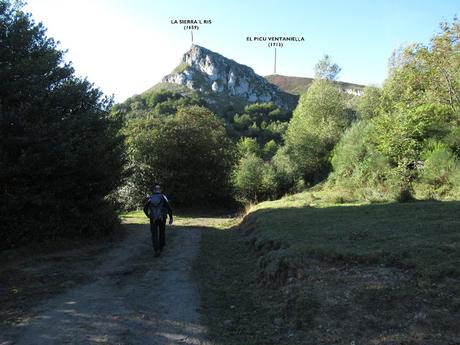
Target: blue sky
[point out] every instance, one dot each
(127, 46)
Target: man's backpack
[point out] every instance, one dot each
(156, 206)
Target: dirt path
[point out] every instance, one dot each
(135, 298)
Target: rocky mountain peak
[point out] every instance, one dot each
(219, 79)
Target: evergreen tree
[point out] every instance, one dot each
(60, 152)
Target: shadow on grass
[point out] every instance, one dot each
(379, 273)
(420, 235)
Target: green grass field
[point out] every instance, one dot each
(370, 273)
(420, 235)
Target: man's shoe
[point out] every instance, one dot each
(157, 253)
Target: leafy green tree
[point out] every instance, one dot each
(452, 139)
(402, 136)
(369, 104)
(390, 154)
(326, 69)
(276, 130)
(60, 151)
(242, 122)
(253, 130)
(316, 126)
(383, 158)
(441, 171)
(190, 153)
(421, 74)
(286, 175)
(261, 121)
(253, 179)
(278, 114)
(270, 149)
(153, 103)
(359, 167)
(262, 111)
(350, 151)
(248, 146)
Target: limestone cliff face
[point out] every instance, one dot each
(223, 81)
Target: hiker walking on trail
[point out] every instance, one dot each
(156, 208)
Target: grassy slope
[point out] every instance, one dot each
(420, 235)
(167, 87)
(321, 273)
(294, 85)
(234, 308)
(298, 85)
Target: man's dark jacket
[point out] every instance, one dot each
(165, 205)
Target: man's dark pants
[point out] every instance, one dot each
(157, 228)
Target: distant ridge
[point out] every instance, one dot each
(298, 85)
